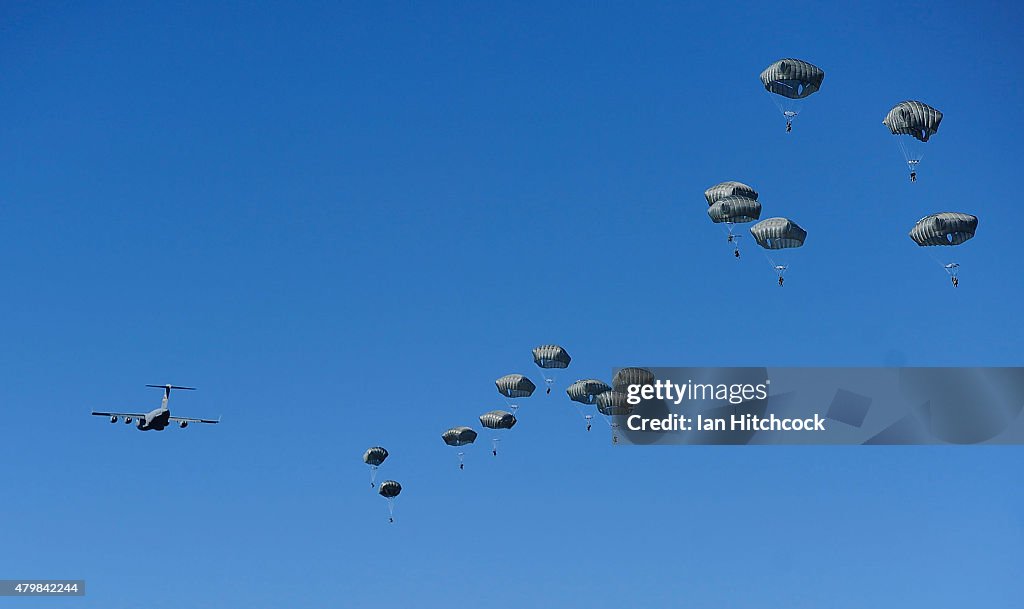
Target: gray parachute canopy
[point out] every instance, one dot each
(913, 118)
(946, 228)
(498, 419)
(778, 233)
(390, 489)
(586, 391)
(459, 436)
(515, 386)
(735, 209)
(613, 403)
(375, 455)
(792, 78)
(551, 356)
(728, 189)
(632, 376)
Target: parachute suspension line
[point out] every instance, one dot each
(587, 418)
(941, 263)
(775, 100)
(789, 114)
(951, 268)
(778, 268)
(937, 261)
(583, 415)
(549, 381)
(391, 509)
(494, 446)
(373, 476)
(732, 238)
(511, 405)
(908, 155)
(462, 464)
(612, 425)
(903, 150)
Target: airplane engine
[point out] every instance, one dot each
(113, 419)
(183, 424)
(127, 420)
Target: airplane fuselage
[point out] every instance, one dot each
(155, 420)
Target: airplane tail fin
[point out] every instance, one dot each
(167, 390)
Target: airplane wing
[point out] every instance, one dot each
(119, 414)
(188, 420)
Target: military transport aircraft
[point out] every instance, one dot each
(156, 419)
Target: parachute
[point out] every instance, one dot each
(550, 357)
(731, 210)
(734, 210)
(497, 419)
(459, 436)
(778, 234)
(585, 392)
(374, 457)
(946, 228)
(625, 377)
(728, 189)
(789, 81)
(913, 123)
(732, 203)
(389, 489)
(515, 386)
(614, 404)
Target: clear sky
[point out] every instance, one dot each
(342, 222)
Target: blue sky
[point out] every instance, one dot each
(343, 222)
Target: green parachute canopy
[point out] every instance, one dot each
(515, 386)
(375, 456)
(913, 118)
(735, 209)
(946, 228)
(586, 391)
(498, 419)
(613, 403)
(459, 436)
(728, 189)
(551, 356)
(778, 233)
(389, 489)
(792, 78)
(631, 376)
